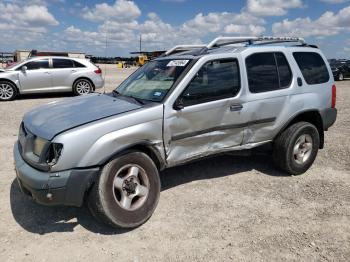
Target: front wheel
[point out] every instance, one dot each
(82, 87)
(295, 149)
(8, 91)
(127, 191)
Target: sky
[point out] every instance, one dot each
(113, 27)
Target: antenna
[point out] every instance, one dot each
(140, 43)
(105, 70)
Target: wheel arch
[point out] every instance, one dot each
(10, 81)
(145, 147)
(312, 116)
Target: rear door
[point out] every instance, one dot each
(270, 86)
(37, 77)
(209, 117)
(62, 71)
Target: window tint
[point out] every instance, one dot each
(62, 63)
(38, 64)
(268, 72)
(285, 74)
(77, 64)
(215, 80)
(312, 67)
(262, 72)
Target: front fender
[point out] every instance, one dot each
(112, 143)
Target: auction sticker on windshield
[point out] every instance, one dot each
(177, 63)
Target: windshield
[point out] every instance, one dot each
(153, 81)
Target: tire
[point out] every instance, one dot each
(295, 149)
(340, 77)
(82, 87)
(8, 91)
(123, 178)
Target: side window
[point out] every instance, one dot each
(37, 64)
(268, 72)
(312, 67)
(216, 80)
(62, 63)
(77, 64)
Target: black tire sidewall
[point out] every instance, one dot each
(114, 212)
(304, 129)
(13, 88)
(77, 82)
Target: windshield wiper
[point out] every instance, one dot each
(138, 100)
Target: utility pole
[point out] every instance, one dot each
(140, 43)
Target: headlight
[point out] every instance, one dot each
(54, 153)
(38, 146)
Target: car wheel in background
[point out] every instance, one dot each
(127, 191)
(82, 87)
(295, 149)
(8, 91)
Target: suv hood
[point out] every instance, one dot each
(51, 119)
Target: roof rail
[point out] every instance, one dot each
(221, 41)
(183, 48)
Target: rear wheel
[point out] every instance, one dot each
(82, 87)
(8, 91)
(127, 191)
(295, 149)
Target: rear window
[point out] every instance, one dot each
(77, 64)
(62, 63)
(312, 67)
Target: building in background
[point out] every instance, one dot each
(20, 55)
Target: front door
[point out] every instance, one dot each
(207, 115)
(37, 76)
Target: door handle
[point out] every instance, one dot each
(47, 73)
(236, 107)
(73, 71)
(300, 81)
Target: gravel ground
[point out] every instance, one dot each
(220, 209)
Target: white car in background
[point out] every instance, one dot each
(49, 74)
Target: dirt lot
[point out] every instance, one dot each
(225, 208)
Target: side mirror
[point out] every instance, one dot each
(179, 104)
(23, 69)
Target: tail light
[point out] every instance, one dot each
(98, 71)
(334, 95)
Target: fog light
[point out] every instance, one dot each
(49, 196)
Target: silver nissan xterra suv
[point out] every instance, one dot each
(197, 100)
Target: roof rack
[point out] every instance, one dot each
(227, 40)
(183, 48)
(221, 41)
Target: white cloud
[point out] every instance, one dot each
(121, 10)
(326, 25)
(253, 30)
(335, 1)
(272, 7)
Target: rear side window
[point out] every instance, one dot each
(62, 63)
(77, 64)
(268, 72)
(216, 80)
(37, 64)
(312, 67)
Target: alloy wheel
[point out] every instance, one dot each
(83, 87)
(302, 149)
(131, 187)
(6, 91)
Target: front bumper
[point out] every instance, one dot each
(58, 188)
